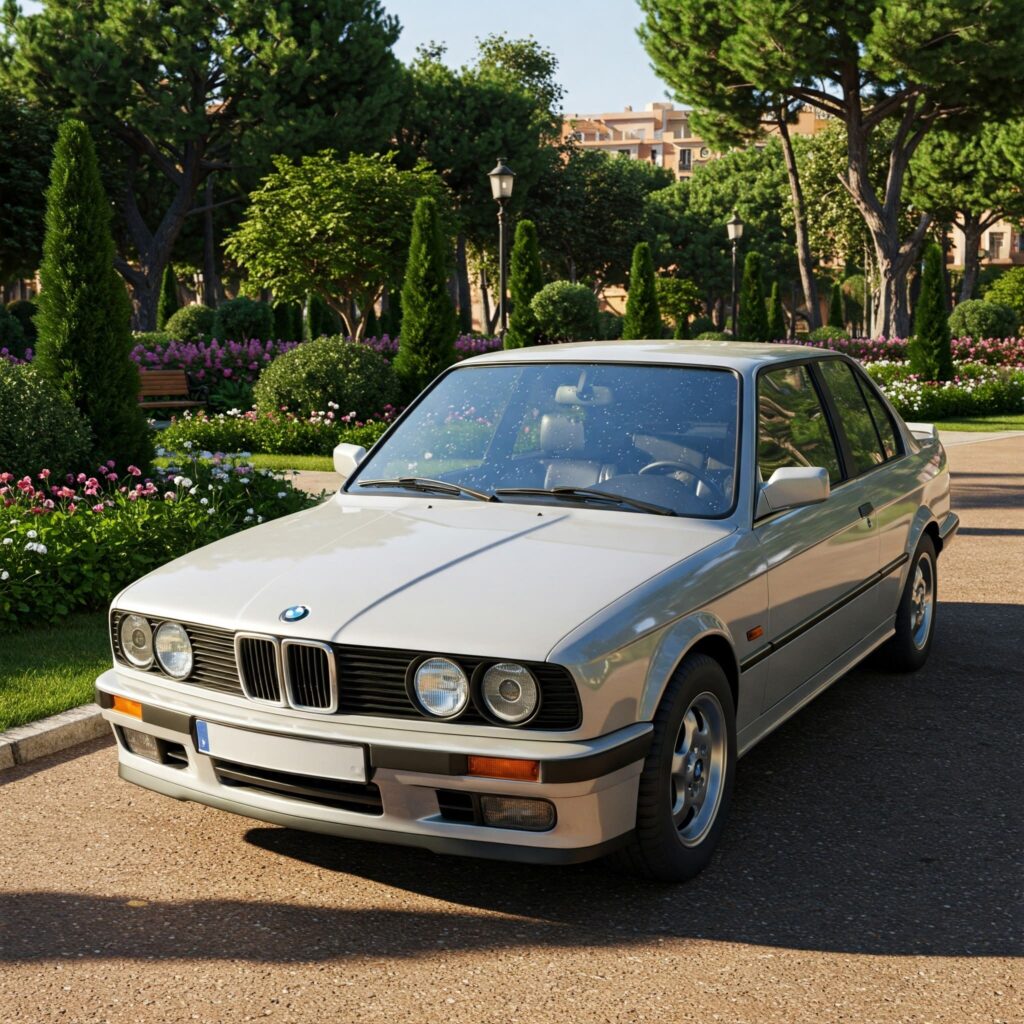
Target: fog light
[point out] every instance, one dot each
(142, 743)
(515, 812)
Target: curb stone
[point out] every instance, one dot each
(51, 735)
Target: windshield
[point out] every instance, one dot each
(664, 436)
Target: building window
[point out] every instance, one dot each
(1020, 242)
(685, 159)
(625, 152)
(995, 245)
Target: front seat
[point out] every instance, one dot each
(562, 443)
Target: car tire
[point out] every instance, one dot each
(686, 783)
(907, 650)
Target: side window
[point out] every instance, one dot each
(792, 427)
(880, 414)
(859, 427)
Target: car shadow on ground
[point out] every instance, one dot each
(883, 819)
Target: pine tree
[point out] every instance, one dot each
(168, 303)
(836, 313)
(776, 316)
(429, 322)
(643, 319)
(526, 280)
(753, 316)
(930, 353)
(85, 341)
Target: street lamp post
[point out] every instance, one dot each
(735, 229)
(501, 188)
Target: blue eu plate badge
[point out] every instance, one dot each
(202, 737)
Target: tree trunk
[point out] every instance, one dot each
(211, 279)
(463, 297)
(972, 229)
(803, 248)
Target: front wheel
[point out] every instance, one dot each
(686, 784)
(907, 650)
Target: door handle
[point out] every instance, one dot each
(866, 509)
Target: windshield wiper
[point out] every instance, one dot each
(588, 494)
(425, 483)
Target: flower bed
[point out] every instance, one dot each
(281, 433)
(6, 355)
(977, 389)
(991, 351)
(73, 544)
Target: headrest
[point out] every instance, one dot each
(561, 435)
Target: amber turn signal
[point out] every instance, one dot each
(504, 768)
(128, 707)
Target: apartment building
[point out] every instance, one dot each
(1002, 245)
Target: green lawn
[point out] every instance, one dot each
(985, 423)
(314, 462)
(47, 669)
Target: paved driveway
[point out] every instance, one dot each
(871, 871)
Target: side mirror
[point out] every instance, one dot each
(793, 487)
(346, 458)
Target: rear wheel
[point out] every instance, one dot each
(907, 650)
(686, 784)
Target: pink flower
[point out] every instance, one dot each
(6, 478)
(111, 463)
(44, 474)
(98, 508)
(135, 471)
(169, 495)
(80, 478)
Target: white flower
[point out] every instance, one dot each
(209, 511)
(5, 575)
(36, 546)
(188, 444)
(194, 489)
(204, 501)
(250, 512)
(259, 519)
(243, 480)
(247, 519)
(185, 482)
(178, 480)
(32, 534)
(8, 540)
(280, 494)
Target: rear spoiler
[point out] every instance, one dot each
(924, 432)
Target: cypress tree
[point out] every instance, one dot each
(930, 352)
(643, 319)
(526, 280)
(429, 322)
(168, 303)
(288, 321)
(836, 314)
(85, 338)
(753, 316)
(776, 316)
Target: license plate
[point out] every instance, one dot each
(343, 761)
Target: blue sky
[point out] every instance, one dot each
(601, 63)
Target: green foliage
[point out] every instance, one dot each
(643, 319)
(930, 354)
(678, 299)
(191, 323)
(12, 337)
(701, 325)
(978, 318)
(1009, 290)
(153, 340)
(40, 428)
(337, 228)
(327, 373)
(288, 321)
(241, 319)
(429, 322)
(566, 312)
(853, 299)
(320, 319)
(67, 559)
(827, 333)
(83, 320)
(753, 316)
(273, 433)
(776, 315)
(713, 336)
(168, 303)
(24, 311)
(609, 325)
(525, 280)
(836, 316)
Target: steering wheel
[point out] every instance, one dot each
(664, 465)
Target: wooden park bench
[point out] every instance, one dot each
(168, 389)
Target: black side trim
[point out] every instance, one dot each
(402, 759)
(809, 623)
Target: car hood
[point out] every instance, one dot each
(458, 576)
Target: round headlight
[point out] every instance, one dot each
(510, 692)
(173, 649)
(137, 641)
(441, 687)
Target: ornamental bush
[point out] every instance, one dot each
(713, 336)
(12, 337)
(167, 305)
(526, 279)
(39, 426)
(1009, 291)
(827, 333)
(753, 314)
(24, 311)
(643, 317)
(566, 312)
(241, 319)
(191, 323)
(980, 318)
(609, 325)
(324, 373)
(929, 348)
(975, 390)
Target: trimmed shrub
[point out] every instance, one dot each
(288, 321)
(153, 341)
(191, 323)
(701, 325)
(609, 325)
(643, 318)
(827, 333)
(526, 279)
(776, 315)
(24, 311)
(85, 338)
(566, 312)
(853, 299)
(678, 300)
(713, 336)
(241, 319)
(12, 337)
(979, 318)
(1008, 290)
(929, 349)
(836, 316)
(167, 305)
(320, 319)
(753, 315)
(329, 372)
(40, 428)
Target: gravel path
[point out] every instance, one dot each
(871, 871)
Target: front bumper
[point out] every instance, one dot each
(592, 784)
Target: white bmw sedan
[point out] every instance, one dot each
(549, 610)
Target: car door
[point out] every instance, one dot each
(819, 557)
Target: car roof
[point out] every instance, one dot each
(744, 356)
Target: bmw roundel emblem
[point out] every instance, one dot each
(293, 614)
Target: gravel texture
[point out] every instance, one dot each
(871, 871)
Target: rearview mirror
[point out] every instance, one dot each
(793, 487)
(346, 458)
